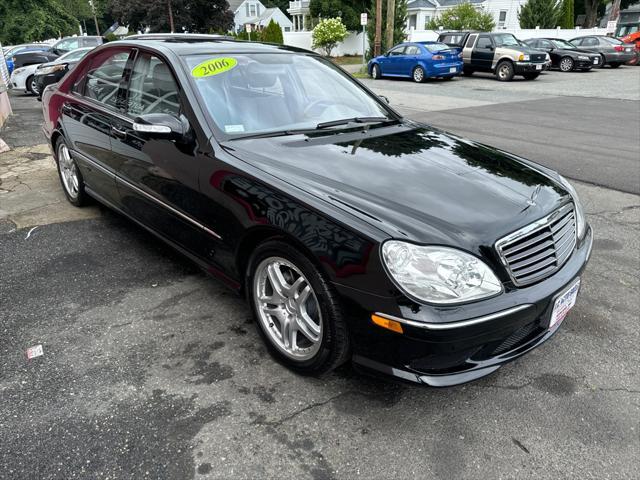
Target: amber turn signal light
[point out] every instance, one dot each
(387, 323)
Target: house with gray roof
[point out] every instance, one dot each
(254, 13)
(421, 12)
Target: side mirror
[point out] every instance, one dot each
(161, 124)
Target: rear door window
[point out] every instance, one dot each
(104, 78)
(484, 42)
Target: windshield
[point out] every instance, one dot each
(624, 30)
(505, 40)
(436, 47)
(563, 44)
(265, 92)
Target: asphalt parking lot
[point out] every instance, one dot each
(153, 370)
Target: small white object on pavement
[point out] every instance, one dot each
(35, 351)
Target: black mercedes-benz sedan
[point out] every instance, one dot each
(355, 234)
(565, 56)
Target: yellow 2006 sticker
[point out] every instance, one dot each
(214, 66)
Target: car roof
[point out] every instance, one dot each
(193, 44)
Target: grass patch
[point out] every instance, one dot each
(347, 60)
(362, 73)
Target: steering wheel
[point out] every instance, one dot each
(314, 104)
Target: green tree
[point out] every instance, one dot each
(348, 10)
(272, 33)
(540, 13)
(566, 14)
(34, 20)
(399, 22)
(463, 17)
(328, 33)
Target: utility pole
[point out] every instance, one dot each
(95, 18)
(170, 16)
(378, 37)
(391, 15)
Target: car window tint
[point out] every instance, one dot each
(412, 50)
(589, 42)
(484, 42)
(544, 44)
(396, 51)
(68, 44)
(152, 88)
(104, 76)
(576, 41)
(470, 40)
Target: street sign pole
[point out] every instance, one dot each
(363, 22)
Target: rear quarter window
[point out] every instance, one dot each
(470, 41)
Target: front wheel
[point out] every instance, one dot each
(505, 71)
(375, 72)
(32, 85)
(70, 176)
(530, 76)
(566, 64)
(418, 74)
(297, 311)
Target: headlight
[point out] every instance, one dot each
(581, 222)
(51, 69)
(523, 57)
(18, 71)
(547, 57)
(438, 274)
(583, 57)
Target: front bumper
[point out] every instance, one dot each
(42, 81)
(581, 64)
(19, 80)
(451, 346)
(531, 67)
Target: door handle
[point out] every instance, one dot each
(118, 133)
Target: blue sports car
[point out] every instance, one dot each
(417, 60)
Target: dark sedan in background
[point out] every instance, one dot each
(353, 232)
(613, 52)
(51, 72)
(564, 55)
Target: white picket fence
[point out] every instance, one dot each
(520, 33)
(352, 45)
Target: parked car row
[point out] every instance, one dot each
(456, 53)
(23, 60)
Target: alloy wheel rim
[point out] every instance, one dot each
(565, 65)
(375, 71)
(68, 171)
(34, 87)
(288, 308)
(418, 74)
(504, 71)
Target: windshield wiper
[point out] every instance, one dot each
(346, 121)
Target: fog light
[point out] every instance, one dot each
(387, 323)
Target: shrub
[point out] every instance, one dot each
(463, 17)
(327, 34)
(272, 33)
(540, 13)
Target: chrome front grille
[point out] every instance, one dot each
(539, 249)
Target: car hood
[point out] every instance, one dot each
(411, 181)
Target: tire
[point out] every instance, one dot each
(67, 171)
(375, 72)
(505, 71)
(614, 64)
(603, 61)
(418, 74)
(32, 86)
(566, 64)
(531, 76)
(321, 336)
(467, 71)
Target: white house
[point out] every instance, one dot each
(299, 11)
(504, 12)
(254, 13)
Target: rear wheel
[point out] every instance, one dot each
(505, 71)
(70, 176)
(375, 72)
(566, 64)
(297, 311)
(615, 64)
(602, 61)
(418, 74)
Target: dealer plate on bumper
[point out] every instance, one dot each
(538, 67)
(453, 70)
(564, 303)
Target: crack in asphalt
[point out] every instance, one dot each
(279, 422)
